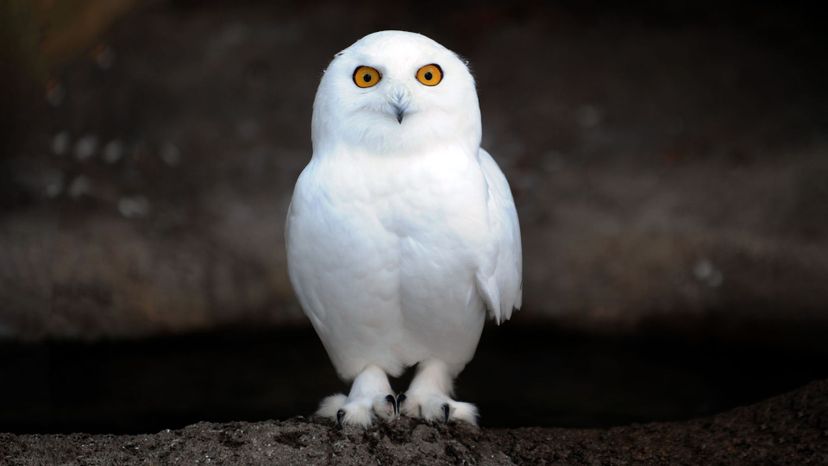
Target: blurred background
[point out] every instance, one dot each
(669, 161)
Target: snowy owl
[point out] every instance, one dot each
(402, 234)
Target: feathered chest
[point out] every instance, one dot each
(415, 196)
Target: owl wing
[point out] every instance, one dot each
(499, 277)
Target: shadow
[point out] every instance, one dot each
(521, 376)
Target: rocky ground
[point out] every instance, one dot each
(788, 429)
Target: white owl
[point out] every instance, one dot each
(402, 233)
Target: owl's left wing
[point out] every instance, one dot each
(499, 277)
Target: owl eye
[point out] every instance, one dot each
(430, 75)
(365, 76)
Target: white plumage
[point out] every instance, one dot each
(402, 233)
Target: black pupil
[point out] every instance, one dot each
(427, 76)
(366, 77)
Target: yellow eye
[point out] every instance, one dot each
(365, 76)
(430, 75)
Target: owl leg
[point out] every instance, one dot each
(370, 397)
(429, 396)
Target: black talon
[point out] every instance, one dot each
(445, 412)
(393, 401)
(400, 398)
(339, 415)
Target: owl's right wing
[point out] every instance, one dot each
(499, 277)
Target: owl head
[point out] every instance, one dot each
(395, 92)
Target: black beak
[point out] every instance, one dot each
(400, 112)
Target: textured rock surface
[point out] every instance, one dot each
(788, 429)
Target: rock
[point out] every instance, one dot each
(787, 429)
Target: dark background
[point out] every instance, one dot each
(669, 162)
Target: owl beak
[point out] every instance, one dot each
(399, 99)
(399, 111)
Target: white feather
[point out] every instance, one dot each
(500, 278)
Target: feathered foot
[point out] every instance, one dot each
(371, 397)
(428, 397)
